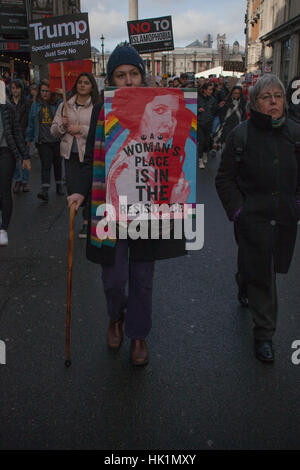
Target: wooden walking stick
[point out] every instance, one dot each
(70, 262)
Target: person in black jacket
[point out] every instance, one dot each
(222, 91)
(40, 118)
(12, 148)
(258, 182)
(207, 108)
(21, 106)
(125, 68)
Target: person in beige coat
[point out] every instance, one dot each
(71, 126)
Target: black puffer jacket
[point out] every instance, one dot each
(265, 185)
(13, 133)
(208, 103)
(22, 112)
(222, 94)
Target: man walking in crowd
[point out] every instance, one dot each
(21, 106)
(222, 91)
(183, 80)
(41, 116)
(207, 108)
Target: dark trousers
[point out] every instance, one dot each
(72, 166)
(7, 167)
(263, 307)
(50, 155)
(263, 302)
(139, 304)
(204, 138)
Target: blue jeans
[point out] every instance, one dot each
(139, 304)
(215, 124)
(22, 175)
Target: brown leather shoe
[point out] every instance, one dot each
(115, 333)
(138, 352)
(25, 188)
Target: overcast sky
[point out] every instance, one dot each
(192, 19)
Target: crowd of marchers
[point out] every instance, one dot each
(255, 130)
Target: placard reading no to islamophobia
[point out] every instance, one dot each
(151, 35)
(60, 38)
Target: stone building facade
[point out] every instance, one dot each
(194, 58)
(272, 42)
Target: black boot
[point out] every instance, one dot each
(43, 194)
(59, 189)
(264, 350)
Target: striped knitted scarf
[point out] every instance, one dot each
(278, 122)
(98, 187)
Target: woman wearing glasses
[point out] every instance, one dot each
(40, 120)
(258, 182)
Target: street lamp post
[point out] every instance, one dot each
(102, 48)
(94, 64)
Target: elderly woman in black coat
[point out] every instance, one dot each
(258, 182)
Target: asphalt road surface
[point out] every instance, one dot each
(203, 387)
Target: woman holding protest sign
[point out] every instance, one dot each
(125, 68)
(71, 127)
(40, 120)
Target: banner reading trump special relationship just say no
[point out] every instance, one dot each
(59, 38)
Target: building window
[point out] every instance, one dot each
(261, 22)
(285, 60)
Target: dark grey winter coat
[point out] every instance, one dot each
(208, 103)
(13, 133)
(265, 184)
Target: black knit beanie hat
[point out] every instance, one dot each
(124, 53)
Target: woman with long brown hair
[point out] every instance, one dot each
(71, 126)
